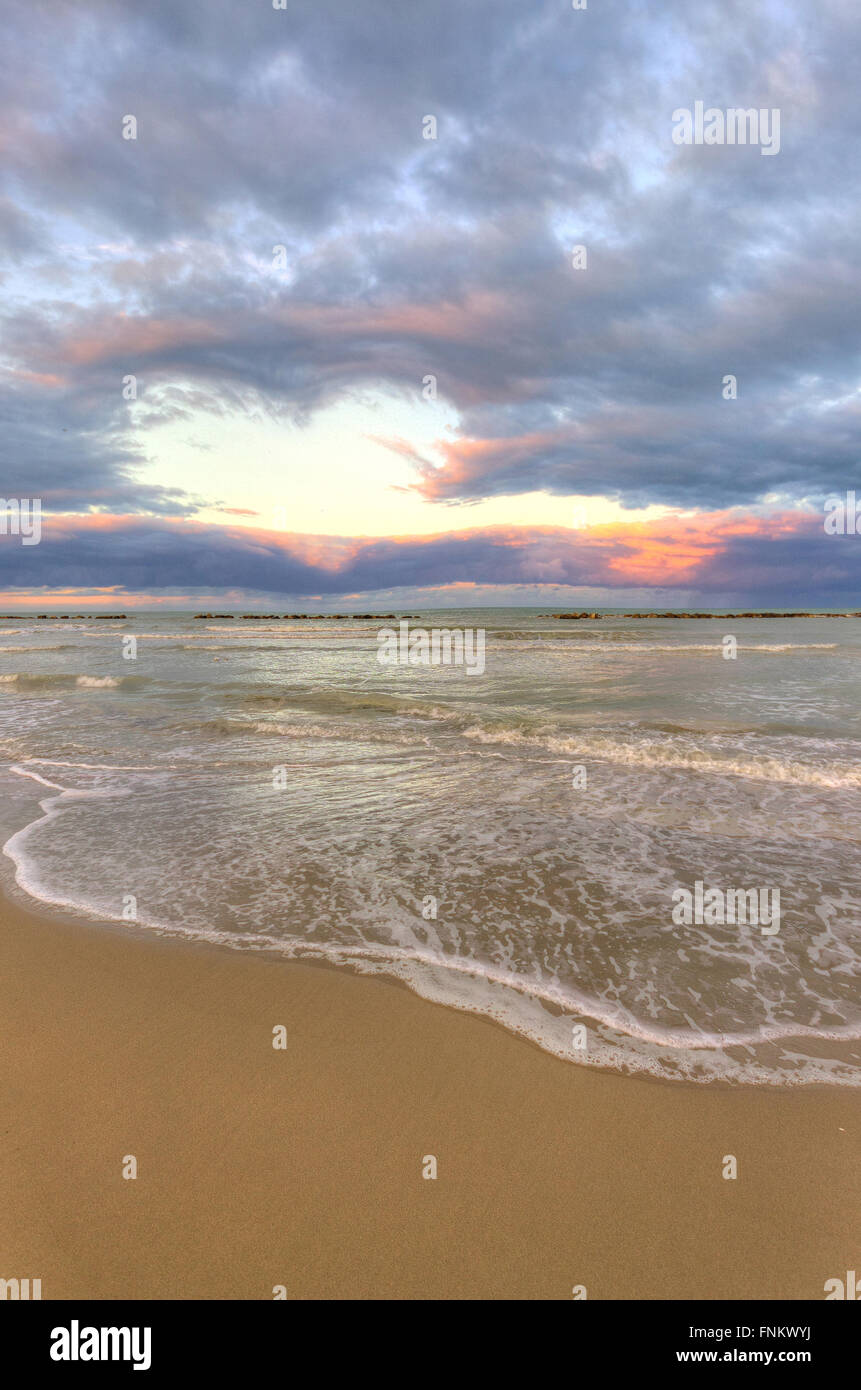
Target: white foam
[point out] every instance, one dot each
(574, 644)
(616, 1038)
(89, 767)
(665, 755)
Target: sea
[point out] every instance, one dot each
(509, 842)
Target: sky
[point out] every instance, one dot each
(291, 308)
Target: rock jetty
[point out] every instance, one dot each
(58, 617)
(678, 614)
(309, 617)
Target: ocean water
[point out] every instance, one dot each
(414, 790)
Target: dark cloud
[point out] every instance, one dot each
(737, 556)
(73, 452)
(302, 128)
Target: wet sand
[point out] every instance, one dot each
(302, 1167)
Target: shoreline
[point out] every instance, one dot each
(386, 969)
(303, 1167)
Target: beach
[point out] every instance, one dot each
(430, 655)
(302, 1167)
(457, 895)
(519, 843)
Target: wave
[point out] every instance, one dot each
(61, 647)
(541, 1010)
(608, 645)
(226, 727)
(333, 700)
(87, 767)
(32, 680)
(659, 755)
(676, 749)
(673, 751)
(246, 630)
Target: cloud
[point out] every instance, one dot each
(71, 449)
(406, 257)
(780, 560)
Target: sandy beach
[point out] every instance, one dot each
(302, 1167)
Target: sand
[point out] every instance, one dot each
(303, 1167)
